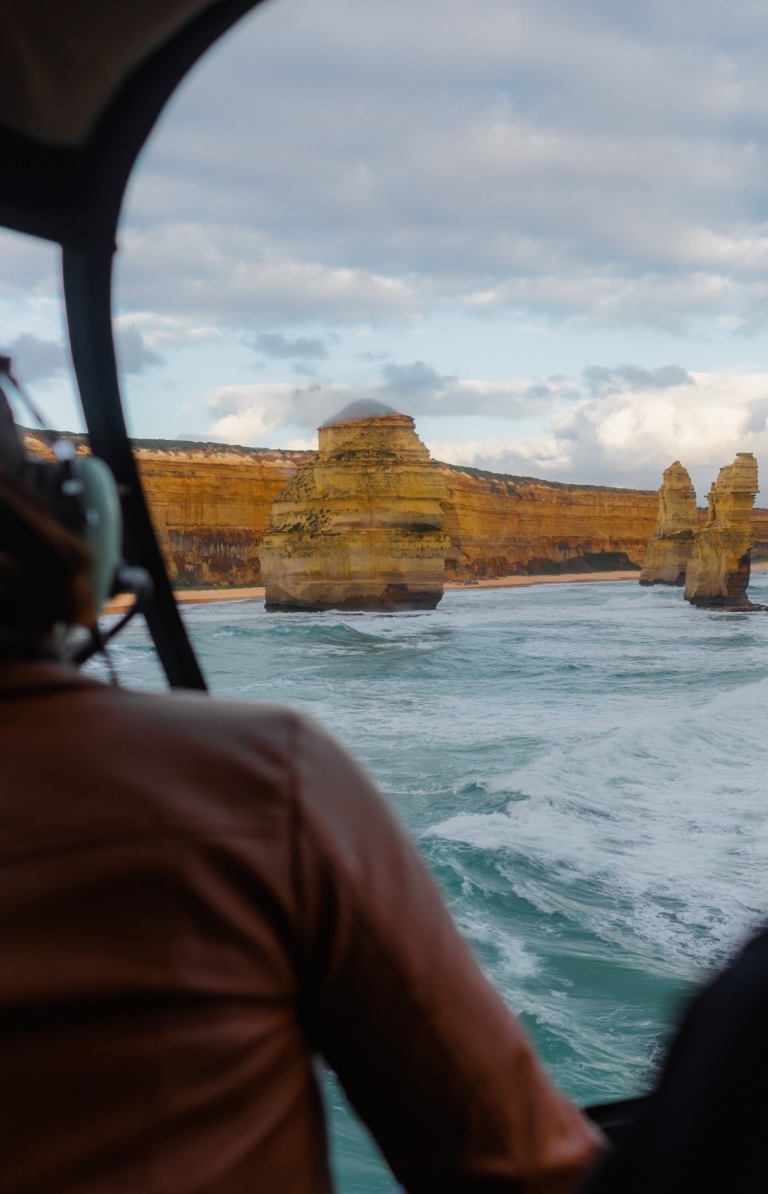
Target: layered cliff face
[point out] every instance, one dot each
(210, 506)
(718, 570)
(360, 526)
(759, 522)
(671, 544)
(504, 525)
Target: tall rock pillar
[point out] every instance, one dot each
(718, 570)
(360, 525)
(670, 546)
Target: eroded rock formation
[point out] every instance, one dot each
(671, 544)
(211, 502)
(718, 570)
(360, 526)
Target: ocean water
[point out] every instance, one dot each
(583, 766)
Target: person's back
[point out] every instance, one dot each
(194, 898)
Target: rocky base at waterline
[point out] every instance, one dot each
(717, 576)
(360, 525)
(670, 546)
(392, 597)
(747, 607)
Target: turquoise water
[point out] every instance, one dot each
(584, 767)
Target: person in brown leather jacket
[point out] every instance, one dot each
(196, 898)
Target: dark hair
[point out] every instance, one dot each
(43, 566)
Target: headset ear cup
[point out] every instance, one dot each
(103, 524)
(11, 445)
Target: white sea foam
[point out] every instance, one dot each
(657, 829)
(584, 766)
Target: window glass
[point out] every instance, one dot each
(533, 228)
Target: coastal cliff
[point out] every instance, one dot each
(671, 544)
(759, 522)
(360, 525)
(210, 504)
(718, 571)
(501, 525)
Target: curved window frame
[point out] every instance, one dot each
(73, 197)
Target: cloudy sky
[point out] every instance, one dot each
(539, 226)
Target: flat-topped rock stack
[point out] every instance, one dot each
(360, 525)
(670, 546)
(718, 570)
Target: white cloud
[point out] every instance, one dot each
(352, 161)
(630, 437)
(301, 444)
(356, 161)
(544, 454)
(619, 426)
(166, 331)
(229, 275)
(365, 166)
(247, 411)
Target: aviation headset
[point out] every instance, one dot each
(80, 492)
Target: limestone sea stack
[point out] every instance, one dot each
(670, 546)
(360, 525)
(717, 576)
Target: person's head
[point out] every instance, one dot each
(43, 565)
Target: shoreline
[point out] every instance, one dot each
(203, 596)
(123, 601)
(518, 581)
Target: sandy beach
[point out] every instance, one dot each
(563, 578)
(190, 597)
(201, 596)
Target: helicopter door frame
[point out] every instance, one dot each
(74, 197)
